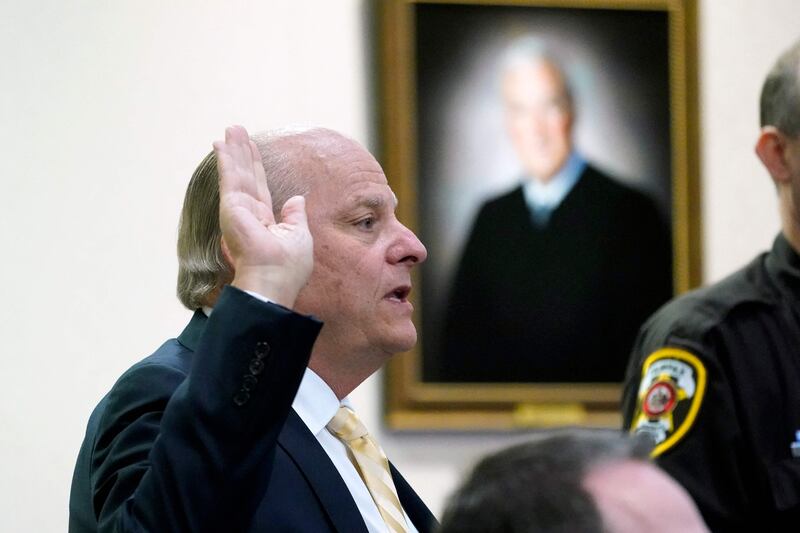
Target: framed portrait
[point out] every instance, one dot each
(546, 153)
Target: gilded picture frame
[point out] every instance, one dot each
(442, 147)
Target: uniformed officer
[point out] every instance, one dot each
(715, 374)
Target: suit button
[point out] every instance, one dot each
(241, 398)
(262, 349)
(249, 382)
(256, 366)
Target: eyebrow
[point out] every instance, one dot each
(371, 201)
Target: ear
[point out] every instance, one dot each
(771, 149)
(226, 253)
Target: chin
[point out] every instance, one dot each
(403, 341)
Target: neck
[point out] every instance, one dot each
(790, 219)
(342, 373)
(543, 181)
(792, 234)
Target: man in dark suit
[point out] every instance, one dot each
(242, 423)
(558, 274)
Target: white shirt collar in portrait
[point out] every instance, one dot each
(548, 196)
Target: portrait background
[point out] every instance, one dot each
(622, 103)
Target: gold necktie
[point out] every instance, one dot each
(372, 465)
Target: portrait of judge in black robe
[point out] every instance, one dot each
(558, 273)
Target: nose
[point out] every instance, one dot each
(406, 249)
(537, 123)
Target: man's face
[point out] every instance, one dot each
(635, 496)
(538, 117)
(363, 255)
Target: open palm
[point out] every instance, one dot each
(269, 257)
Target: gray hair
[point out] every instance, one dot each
(538, 485)
(202, 269)
(529, 50)
(780, 95)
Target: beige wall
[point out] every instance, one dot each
(106, 108)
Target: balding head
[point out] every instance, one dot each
(292, 160)
(576, 481)
(634, 495)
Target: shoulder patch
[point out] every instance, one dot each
(669, 397)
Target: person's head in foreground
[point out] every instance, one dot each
(571, 481)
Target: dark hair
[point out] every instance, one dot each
(538, 486)
(780, 95)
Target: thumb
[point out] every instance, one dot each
(293, 212)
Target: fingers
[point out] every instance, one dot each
(293, 212)
(237, 144)
(242, 180)
(235, 162)
(261, 181)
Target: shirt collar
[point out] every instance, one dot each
(207, 309)
(550, 194)
(315, 402)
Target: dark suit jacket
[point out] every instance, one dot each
(557, 303)
(200, 436)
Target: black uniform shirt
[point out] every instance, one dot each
(715, 379)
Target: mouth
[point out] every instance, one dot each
(399, 294)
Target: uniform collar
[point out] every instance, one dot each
(783, 265)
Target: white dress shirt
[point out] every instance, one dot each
(544, 197)
(316, 404)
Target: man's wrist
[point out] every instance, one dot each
(266, 285)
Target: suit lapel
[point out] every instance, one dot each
(412, 504)
(301, 445)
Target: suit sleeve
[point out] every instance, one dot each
(676, 392)
(176, 453)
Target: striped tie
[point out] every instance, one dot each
(372, 465)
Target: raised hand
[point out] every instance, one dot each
(271, 258)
